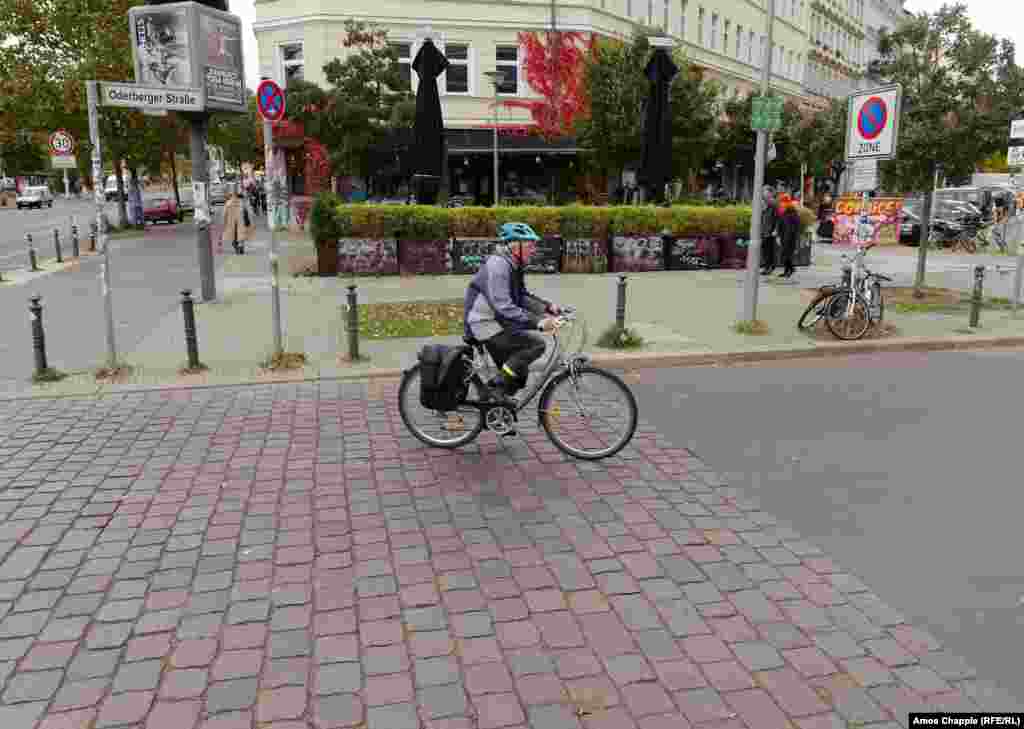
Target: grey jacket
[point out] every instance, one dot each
(497, 300)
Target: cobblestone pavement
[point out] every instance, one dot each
(287, 556)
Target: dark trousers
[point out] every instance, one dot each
(518, 350)
(788, 249)
(768, 252)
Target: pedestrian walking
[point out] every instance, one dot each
(236, 223)
(769, 219)
(789, 231)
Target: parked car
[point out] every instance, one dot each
(910, 227)
(162, 207)
(34, 197)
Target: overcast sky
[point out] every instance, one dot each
(998, 17)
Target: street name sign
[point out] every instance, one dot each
(150, 98)
(865, 175)
(1017, 129)
(873, 122)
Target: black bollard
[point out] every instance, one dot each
(38, 338)
(191, 343)
(33, 264)
(353, 324)
(56, 245)
(620, 304)
(74, 241)
(979, 282)
(92, 237)
(847, 276)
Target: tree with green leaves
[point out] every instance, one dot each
(820, 142)
(736, 141)
(240, 136)
(960, 89)
(616, 89)
(366, 99)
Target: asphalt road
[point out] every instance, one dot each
(14, 224)
(905, 468)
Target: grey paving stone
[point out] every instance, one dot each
(93, 664)
(32, 686)
(838, 644)
(338, 678)
(233, 695)
(138, 676)
(439, 702)
(393, 716)
(429, 618)
(757, 655)
(289, 644)
(530, 662)
(436, 671)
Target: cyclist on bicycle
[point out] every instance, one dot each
(502, 314)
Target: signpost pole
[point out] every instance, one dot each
(92, 94)
(275, 290)
(203, 217)
(67, 185)
(754, 245)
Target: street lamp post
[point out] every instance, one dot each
(497, 77)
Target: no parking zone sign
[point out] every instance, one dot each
(873, 123)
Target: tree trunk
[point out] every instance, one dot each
(174, 181)
(122, 209)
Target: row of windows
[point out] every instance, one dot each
(455, 80)
(828, 34)
(792, 9)
(739, 42)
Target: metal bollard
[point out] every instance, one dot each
(38, 338)
(353, 324)
(979, 282)
(74, 241)
(92, 237)
(33, 264)
(56, 245)
(847, 275)
(188, 308)
(620, 303)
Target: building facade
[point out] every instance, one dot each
(837, 48)
(725, 38)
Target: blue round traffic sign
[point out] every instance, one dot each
(270, 100)
(872, 117)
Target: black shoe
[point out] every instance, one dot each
(766, 271)
(787, 273)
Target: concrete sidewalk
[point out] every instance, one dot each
(679, 315)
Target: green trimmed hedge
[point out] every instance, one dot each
(330, 219)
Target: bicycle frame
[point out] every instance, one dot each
(556, 361)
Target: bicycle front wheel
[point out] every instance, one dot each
(815, 311)
(844, 323)
(590, 416)
(438, 429)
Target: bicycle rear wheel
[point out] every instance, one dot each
(815, 311)
(438, 429)
(591, 416)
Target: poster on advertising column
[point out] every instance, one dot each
(161, 46)
(881, 228)
(220, 51)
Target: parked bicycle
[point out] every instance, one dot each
(853, 307)
(587, 412)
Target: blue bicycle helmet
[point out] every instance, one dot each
(512, 232)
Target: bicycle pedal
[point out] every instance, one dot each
(509, 433)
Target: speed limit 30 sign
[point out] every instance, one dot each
(62, 144)
(872, 127)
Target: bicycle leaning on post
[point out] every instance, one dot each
(573, 408)
(851, 308)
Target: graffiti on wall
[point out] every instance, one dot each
(882, 226)
(424, 256)
(584, 255)
(367, 256)
(640, 253)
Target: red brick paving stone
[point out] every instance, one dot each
(578, 663)
(173, 715)
(606, 634)
(193, 653)
(756, 708)
(498, 710)
(509, 609)
(48, 655)
(234, 637)
(488, 678)
(810, 662)
(464, 601)
(544, 688)
(822, 721)
(421, 595)
(728, 676)
(70, 720)
(541, 601)
(336, 622)
(664, 721)
(587, 602)
(705, 648)
(559, 630)
(791, 692)
(680, 675)
(124, 708)
(641, 566)
(283, 703)
(593, 690)
(733, 630)
(149, 646)
(518, 634)
(914, 639)
(392, 689)
(647, 698)
(533, 578)
(236, 664)
(380, 632)
(378, 608)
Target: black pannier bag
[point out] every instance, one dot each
(443, 373)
